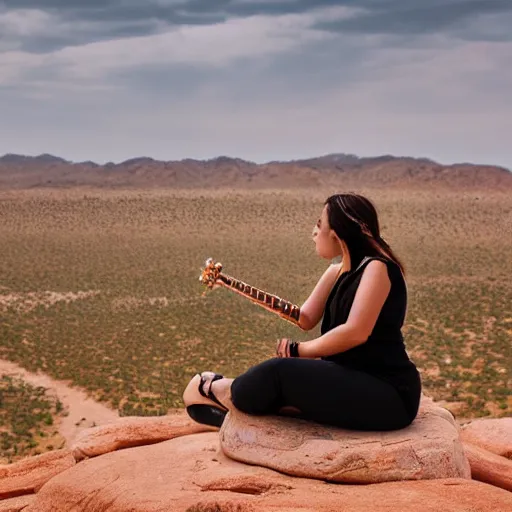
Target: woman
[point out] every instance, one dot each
(357, 374)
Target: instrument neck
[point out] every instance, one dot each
(284, 308)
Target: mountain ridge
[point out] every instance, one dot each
(46, 170)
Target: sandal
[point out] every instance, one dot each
(200, 408)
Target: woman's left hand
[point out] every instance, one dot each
(283, 347)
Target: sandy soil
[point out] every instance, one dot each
(23, 302)
(83, 412)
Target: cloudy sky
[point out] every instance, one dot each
(258, 79)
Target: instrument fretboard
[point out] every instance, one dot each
(272, 301)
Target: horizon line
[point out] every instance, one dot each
(346, 155)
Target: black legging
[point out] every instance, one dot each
(323, 391)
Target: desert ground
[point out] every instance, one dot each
(99, 290)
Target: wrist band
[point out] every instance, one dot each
(294, 349)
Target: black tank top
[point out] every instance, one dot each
(383, 354)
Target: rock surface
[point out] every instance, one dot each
(191, 474)
(429, 448)
(16, 504)
(28, 475)
(128, 432)
(489, 467)
(492, 434)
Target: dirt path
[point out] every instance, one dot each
(83, 412)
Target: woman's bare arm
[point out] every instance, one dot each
(312, 310)
(370, 296)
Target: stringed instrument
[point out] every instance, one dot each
(212, 275)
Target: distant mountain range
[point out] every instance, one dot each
(20, 172)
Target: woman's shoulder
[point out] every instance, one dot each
(374, 261)
(374, 268)
(387, 261)
(385, 264)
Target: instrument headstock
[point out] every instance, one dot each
(210, 273)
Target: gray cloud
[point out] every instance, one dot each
(257, 79)
(63, 24)
(74, 22)
(414, 18)
(406, 11)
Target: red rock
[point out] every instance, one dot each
(191, 474)
(28, 475)
(16, 504)
(429, 448)
(492, 434)
(489, 467)
(130, 431)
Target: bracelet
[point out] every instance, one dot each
(294, 349)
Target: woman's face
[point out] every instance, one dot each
(328, 245)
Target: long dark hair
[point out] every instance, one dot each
(354, 219)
